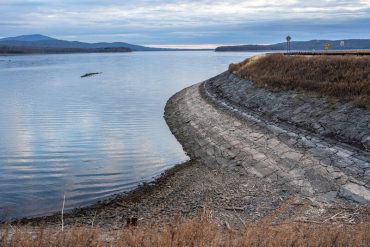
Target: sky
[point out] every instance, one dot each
(178, 23)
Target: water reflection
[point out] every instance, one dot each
(93, 137)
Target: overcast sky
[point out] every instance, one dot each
(177, 22)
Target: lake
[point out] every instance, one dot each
(89, 138)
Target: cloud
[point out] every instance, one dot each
(185, 22)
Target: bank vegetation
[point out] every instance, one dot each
(342, 77)
(202, 230)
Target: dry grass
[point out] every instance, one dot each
(342, 77)
(199, 231)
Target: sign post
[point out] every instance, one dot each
(288, 39)
(342, 44)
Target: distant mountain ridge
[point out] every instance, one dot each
(42, 41)
(46, 44)
(12, 50)
(349, 44)
(26, 38)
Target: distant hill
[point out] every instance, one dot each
(41, 41)
(27, 38)
(37, 43)
(39, 50)
(349, 44)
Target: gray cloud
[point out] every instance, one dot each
(186, 22)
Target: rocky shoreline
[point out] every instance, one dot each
(339, 145)
(251, 160)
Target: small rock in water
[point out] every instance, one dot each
(91, 74)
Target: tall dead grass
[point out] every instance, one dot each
(199, 231)
(343, 77)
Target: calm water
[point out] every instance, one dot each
(93, 137)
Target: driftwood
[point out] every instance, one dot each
(91, 74)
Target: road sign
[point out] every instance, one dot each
(327, 45)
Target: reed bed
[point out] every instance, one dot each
(201, 230)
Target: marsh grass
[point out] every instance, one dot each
(201, 230)
(343, 77)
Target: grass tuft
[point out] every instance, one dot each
(201, 230)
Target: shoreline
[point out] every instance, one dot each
(242, 168)
(131, 197)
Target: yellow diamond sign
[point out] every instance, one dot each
(327, 45)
